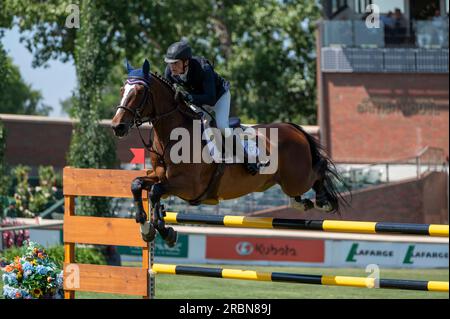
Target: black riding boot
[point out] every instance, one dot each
(252, 168)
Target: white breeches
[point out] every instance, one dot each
(221, 111)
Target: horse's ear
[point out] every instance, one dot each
(146, 67)
(128, 66)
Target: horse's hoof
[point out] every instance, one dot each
(171, 237)
(302, 205)
(324, 207)
(141, 218)
(148, 232)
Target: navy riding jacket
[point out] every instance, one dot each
(202, 82)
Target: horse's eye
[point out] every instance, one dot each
(121, 90)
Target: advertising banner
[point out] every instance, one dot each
(399, 255)
(180, 250)
(255, 248)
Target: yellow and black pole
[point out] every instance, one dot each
(340, 226)
(362, 282)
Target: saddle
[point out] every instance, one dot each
(209, 196)
(233, 122)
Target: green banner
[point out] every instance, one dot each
(133, 251)
(180, 250)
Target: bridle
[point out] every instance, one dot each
(137, 112)
(138, 120)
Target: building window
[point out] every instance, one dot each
(338, 5)
(390, 5)
(361, 5)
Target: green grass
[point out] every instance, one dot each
(188, 287)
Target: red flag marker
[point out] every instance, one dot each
(139, 156)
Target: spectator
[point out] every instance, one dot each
(440, 27)
(388, 19)
(389, 24)
(400, 27)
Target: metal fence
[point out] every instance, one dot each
(384, 60)
(428, 159)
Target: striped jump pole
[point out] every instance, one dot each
(340, 226)
(362, 282)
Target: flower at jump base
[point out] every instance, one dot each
(27, 266)
(37, 292)
(41, 270)
(31, 276)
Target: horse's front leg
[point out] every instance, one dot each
(167, 233)
(137, 186)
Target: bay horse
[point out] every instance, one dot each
(146, 96)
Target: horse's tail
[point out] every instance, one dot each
(327, 171)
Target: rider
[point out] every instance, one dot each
(202, 84)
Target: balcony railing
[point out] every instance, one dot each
(429, 159)
(387, 60)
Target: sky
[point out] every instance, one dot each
(56, 82)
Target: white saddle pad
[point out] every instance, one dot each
(249, 144)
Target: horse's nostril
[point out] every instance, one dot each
(119, 129)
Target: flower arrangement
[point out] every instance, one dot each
(33, 276)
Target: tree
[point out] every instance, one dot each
(272, 64)
(264, 47)
(5, 181)
(16, 96)
(91, 146)
(110, 95)
(3, 67)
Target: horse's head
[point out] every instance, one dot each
(134, 97)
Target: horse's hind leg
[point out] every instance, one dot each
(323, 201)
(295, 181)
(301, 204)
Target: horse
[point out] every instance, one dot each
(148, 97)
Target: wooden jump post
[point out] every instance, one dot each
(103, 231)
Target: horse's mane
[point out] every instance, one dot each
(163, 80)
(169, 85)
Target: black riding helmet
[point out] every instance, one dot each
(178, 51)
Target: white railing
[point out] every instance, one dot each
(42, 224)
(426, 160)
